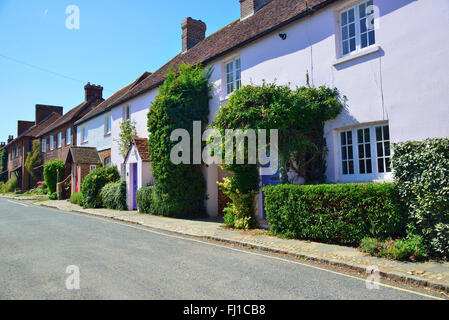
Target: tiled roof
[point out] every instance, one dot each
(85, 155)
(37, 130)
(274, 15)
(69, 116)
(106, 105)
(142, 148)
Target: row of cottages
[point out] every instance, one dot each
(393, 74)
(55, 130)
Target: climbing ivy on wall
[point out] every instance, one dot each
(179, 189)
(3, 164)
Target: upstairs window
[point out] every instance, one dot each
(365, 151)
(107, 124)
(68, 137)
(233, 76)
(59, 140)
(126, 113)
(84, 134)
(52, 143)
(44, 145)
(357, 27)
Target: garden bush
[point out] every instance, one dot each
(51, 174)
(335, 213)
(10, 186)
(421, 169)
(113, 195)
(411, 248)
(77, 198)
(144, 199)
(94, 182)
(54, 196)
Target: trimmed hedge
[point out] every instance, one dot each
(94, 182)
(50, 173)
(335, 213)
(113, 195)
(144, 199)
(421, 170)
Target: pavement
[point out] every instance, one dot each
(43, 250)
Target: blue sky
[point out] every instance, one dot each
(117, 41)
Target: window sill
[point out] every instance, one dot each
(107, 134)
(356, 55)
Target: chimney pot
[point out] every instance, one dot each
(92, 91)
(193, 32)
(249, 7)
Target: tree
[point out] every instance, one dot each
(34, 159)
(127, 133)
(180, 189)
(298, 115)
(53, 170)
(3, 165)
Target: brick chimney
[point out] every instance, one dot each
(43, 111)
(193, 31)
(249, 7)
(23, 126)
(92, 91)
(10, 138)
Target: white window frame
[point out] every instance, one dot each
(92, 168)
(126, 112)
(59, 140)
(44, 145)
(68, 136)
(52, 143)
(107, 162)
(375, 175)
(108, 125)
(84, 134)
(354, 5)
(234, 82)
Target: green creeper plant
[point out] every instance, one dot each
(34, 159)
(127, 133)
(51, 170)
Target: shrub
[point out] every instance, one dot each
(113, 195)
(10, 186)
(180, 189)
(77, 198)
(144, 199)
(3, 165)
(338, 213)
(411, 248)
(54, 196)
(422, 174)
(51, 174)
(94, 182)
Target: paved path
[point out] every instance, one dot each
(118, 261)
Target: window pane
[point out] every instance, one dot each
(364, 40)
(369, 168)
(362, 166)
(380, 151)
(345, 167)
(344, 18)
(387, 148)
(351, 15)
(343, 138)
(372, 39)
(386, 133)
(362, 10)
(350, 153)
(360, 136)
(352, 30)
(388, 165)
(380, 165)
(352, 44)
(378, 133)
(349, 137)
(343, 153)
(344, 33)
(345, 47)
(361, 151)
(368, 150)
(367, 137)
(351, 167)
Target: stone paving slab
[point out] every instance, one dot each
(431, 274)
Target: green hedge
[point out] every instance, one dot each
(94, 182)
(144, 199)
(10, 186)
(422, 174)
(113, 195)
(335, 213)
(51, 174)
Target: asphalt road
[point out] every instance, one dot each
(118, 261)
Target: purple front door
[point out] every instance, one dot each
(134, 186)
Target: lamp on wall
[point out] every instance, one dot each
(283, 36)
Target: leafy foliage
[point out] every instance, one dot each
(94, 182)
(299, 115)
(51, 169)
(335, 213)
(410, 249)
(113, 195)
(180, 190)
(34, 159)
(77, 198)
(421, 170)
(10, 186)
(144, 199)
(127, 133)
(3, 164)
(54, 196)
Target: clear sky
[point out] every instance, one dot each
(43, 62)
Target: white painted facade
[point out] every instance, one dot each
(97, 135)
(401, 81)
